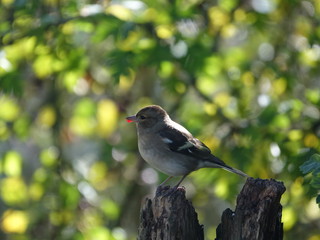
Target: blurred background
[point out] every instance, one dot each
(242, 76)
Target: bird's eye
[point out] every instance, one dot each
(142, 117)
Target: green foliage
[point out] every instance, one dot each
(243, 76)
(313, 166)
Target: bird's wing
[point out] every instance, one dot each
(184, 143)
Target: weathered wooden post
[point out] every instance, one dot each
(170, 216)
(257, 215)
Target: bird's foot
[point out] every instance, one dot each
(167, 190)
(161, 189)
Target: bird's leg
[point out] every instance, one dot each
(176, 186)
(162, 184)
(171, 190)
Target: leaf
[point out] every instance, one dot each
(316, 172)
(311, 165)
(12, 83)
(315, 158)
(315, 182)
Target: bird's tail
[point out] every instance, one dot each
(234, 170)
(216, 162)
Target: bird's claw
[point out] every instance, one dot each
(167, 190)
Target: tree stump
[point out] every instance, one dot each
(169, 215)
(257, 215)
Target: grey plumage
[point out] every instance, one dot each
(170, 148)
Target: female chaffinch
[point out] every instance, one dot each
(170, 148)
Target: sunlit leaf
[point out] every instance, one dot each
(289, 218)
(222, 188)
(70, 195)
(13, 190)
(98, 175)
(126, 81)
(229, 31)
(313, 95)
(36, 191)
(47, 117)
(212, 142)
(222, 99)
(98, 233)
(120, 12)
(14, 221)
(61, 217)
(297, 108)
(247, 78)
(295, 135)
(218, 17)
(234, 57)
(12, 164)
(311, 140)
(49, 156)
(43, 65)
(166, 69)
(279, 86)
(228, 5)
(281, 121)
(165, 31)
(23, 48)
(85, 107)
(111, 209)
(107, 116)
(84, 126)
(296, 188)
(22, 127)
(180, 87)
(310, 57)
(130, 42)
(68, 28)
(40, 175)
(7, 2)
(9, 108)
(210, 108)
(213, 66)
(70, 79)
(83, 121)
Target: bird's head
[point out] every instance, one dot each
(149, 117)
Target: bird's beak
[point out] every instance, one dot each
(132, 119)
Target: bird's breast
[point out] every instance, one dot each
(159, 156)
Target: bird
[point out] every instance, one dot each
(170, 148)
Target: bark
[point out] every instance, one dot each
(169, 215)
(257, 215)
